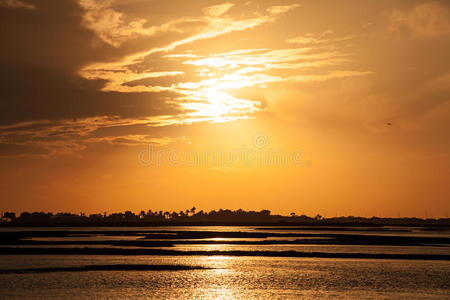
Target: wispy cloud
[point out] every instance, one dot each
(115, 27)
(326, 37)
(281, 9)
(68, 136)
(16, 4)
(328, 76)
(217, 10)
(116, 82)
(215, 25)
(137, 140)
(291, 58)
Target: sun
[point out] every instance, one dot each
(210, 98)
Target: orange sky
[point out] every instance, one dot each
(330, 107)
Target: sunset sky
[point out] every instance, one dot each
(355, 94)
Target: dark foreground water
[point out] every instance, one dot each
(228, 277)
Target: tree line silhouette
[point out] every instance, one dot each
(192, 216)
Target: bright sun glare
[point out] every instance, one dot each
(210, 98)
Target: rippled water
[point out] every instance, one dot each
(235, 277)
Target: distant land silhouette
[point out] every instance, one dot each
(194, 217)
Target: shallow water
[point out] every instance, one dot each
(232, 277)
(318, 248)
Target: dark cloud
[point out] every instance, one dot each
(45, 48)
(164, 81)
